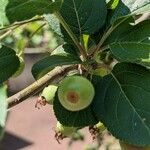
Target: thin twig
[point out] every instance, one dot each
(112, 28)
(103, 39)
(106, 35)
(39, 85)
(72, 35)
(104, 48)
(8, 32)
(5, 34)
(22, 23)
(12, 27)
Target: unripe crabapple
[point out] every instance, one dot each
(75, 93)
(47, 96)
(49, 93)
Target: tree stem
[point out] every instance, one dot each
(38, 85)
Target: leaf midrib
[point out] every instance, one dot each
(145, 125)
(76, 12)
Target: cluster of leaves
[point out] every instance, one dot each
(96, 33)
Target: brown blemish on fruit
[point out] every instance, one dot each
(72, 97)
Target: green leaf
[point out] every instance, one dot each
(57, 28)
(19, 10)
(45, 65)
(143, 9)
(130, 7)
(66, 49)
(3, 108)
(84, 16)
(112, 4)
(3, 18)
(132, 52)
(9, 63)
(80, 118)
(54, 24)
(124, 31)
(123, 104)
(119, 29)
(138, 33)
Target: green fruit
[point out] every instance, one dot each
(65, 131)
(100, 126)
(49, 93)
(80, 118)
(21, 67)
(101, 72)
(75, 93)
